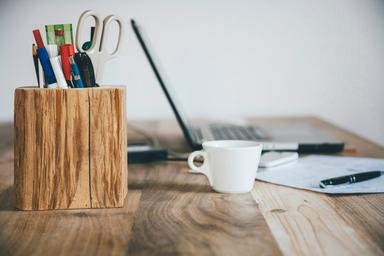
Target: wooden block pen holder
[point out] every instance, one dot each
(70, 148)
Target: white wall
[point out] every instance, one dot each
(228, 58)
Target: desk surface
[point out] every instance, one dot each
(168, 211)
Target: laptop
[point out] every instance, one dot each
(300, 137)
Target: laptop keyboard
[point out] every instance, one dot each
(198, 134)
(232, 132)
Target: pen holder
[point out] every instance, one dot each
(70, 148)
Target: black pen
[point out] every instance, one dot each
(36, 63)
(348, 179)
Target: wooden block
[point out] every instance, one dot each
(54, 163)
(108, 148)
(72, 135)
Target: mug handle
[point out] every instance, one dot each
(200, 169)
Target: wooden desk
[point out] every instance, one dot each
(168, 211)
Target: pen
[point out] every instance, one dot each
(56, 65)
(348, 179)
(66, 51)
(36, 63)
(43, 83)
(75, 73)
(54, 58)
(52, 50)
(44, 60)
(85, 66)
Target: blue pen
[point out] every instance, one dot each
(44, 60)
(75, 73)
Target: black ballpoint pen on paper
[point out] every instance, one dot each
(349, 179)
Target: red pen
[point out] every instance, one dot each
(39, 40)
(66, 51)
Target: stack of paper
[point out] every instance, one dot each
(308, 171)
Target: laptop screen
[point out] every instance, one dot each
(169, 92)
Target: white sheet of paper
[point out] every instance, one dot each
(308, 171)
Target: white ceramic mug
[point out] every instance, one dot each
(230, 165)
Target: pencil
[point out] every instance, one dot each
(36, 63)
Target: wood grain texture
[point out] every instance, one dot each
(179, 214)
(304, 222)
(108, 154)
(321, 229)
(161, 212)
(309, 223)
(59, 232)
(67, 154)
(51, 156)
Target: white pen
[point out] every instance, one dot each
(54, 58)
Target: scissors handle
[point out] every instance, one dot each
(106, 23)
(104, 55)
(97, 34)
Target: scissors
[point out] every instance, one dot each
(98, 52)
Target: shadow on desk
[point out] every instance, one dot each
(171, 187)
(166, 176)
(6, 135)
(7, 199)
